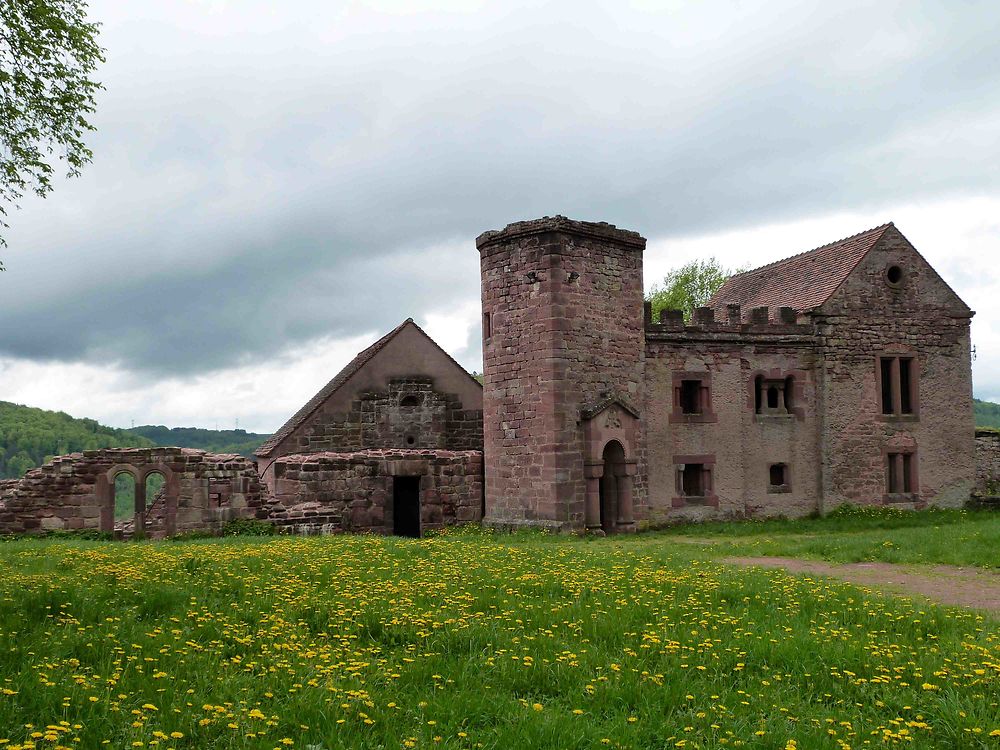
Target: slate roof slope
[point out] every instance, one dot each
(352, 368)
(804, 281)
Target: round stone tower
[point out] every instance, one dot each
(563, 350)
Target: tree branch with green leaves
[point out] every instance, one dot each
(48, 55)
(690, 286)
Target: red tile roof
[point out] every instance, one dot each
(804, 281)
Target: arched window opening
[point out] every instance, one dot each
(155, 483)
(758, 388)
(124, 496)
(789, 393)
(409, 401)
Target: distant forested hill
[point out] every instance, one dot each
(215, 441)
(987, 413)
(29, 437)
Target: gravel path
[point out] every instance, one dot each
(945, 584)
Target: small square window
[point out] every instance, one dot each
(691, 397)
(774, 396)
(778, 475)
(694, 483)
(693, 480)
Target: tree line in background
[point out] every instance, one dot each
(987, 414)
(214, 441)
(29, 437)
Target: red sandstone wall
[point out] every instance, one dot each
(337, 492)
(865, 318)
(364, 412)
(77, 491)
(987, 463)
(565, 306)
(377, 420)
(740, 444)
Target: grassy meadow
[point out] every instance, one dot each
(863, 534)
(470, 640)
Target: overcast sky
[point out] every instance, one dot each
(276, 184)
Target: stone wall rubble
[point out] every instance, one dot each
(75, 492)
(339, 492)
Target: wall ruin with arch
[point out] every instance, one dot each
(201, 491)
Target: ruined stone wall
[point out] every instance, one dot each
(987, 463)
(736, 443)
(350, 492)
(919, 317)
(391, 419)
(202, 491)
(562, 306)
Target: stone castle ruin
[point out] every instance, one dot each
(840, 375)
(200, 492)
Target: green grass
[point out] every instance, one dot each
(953, 537)
(472, 640)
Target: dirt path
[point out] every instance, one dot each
(945, 584)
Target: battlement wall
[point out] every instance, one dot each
(757, 325)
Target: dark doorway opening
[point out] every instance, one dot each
(693, 480)
(406, 506)
(691, 397)
(776, 475)
(614, 467)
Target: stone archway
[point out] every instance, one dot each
(610, 433)
(106, 495)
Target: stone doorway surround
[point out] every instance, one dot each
(610, 431)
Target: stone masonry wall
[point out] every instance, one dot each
(326, 493)
(987, 463)
(920, 318)
(202, 490)
(738, 444)
(564, 306)
(381, 419)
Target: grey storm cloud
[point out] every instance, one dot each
(265, 175)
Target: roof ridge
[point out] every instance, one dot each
(445, 352)
(841, 241)
(358, 361)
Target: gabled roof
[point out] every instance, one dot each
(352, 368)
(804, 281)
(590, 412)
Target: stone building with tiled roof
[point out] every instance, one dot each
(840, 375)
(392, 444)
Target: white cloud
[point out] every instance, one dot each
(279, 177)
(259, 396)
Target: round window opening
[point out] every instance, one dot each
(894, 275)
(410, 440)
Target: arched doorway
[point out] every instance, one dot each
(149, 517)
(123, 494)
(610, 432)
(614, 472)
(128, 494)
